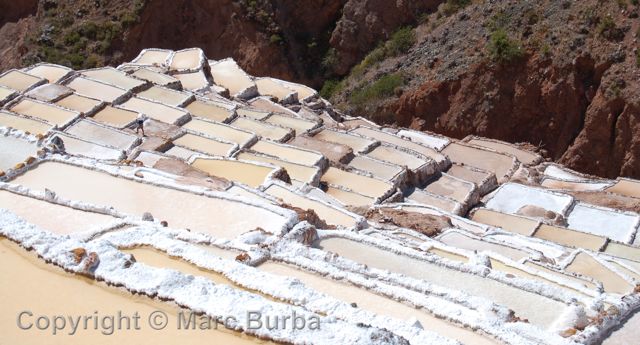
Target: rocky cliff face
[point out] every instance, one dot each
(365, 23)
(15, 23)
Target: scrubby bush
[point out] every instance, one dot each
(128, 19)
(503, 49)
(330, 59)
(275, 39)
(375, 56)
(71, 38)
(498, 21)
(89, 30)
(401, 41)
(108, 31)
(383, 87)
(330, 88)
(138, 6)
(453, 6)
(607, 28)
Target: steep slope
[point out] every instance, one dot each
(559, 75)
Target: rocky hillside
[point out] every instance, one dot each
(560, 75)
(283, 38)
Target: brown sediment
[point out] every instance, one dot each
(426, 224)
(309, 215)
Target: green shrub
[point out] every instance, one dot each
(71, 38)
(503, 49)
(545, 50)
(499, 21)
(138, 6)
(128, 19)
(453, 6)
(606, 24)
(401, 41)
(330, 59)
(103, 46)
(607, 28)
(383, 87)
(109, 31)
(275, 39)
(330, 88)
(76, 60)
(64, 20)
(591, 15)
(89, 30)
(375, 56)
(81, 45)
(423, 18)
(91, 61)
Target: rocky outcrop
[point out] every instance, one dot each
(609, 143)
(365, 23)
(16, 21)
(12, 11)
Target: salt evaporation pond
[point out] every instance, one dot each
(44, 111)
(52, 217)
(356, 143)
(115, 117)
(262, 129)
(376, 303)
(69, 294)
(96, 89)
(23, 123)
(252, 175)
(523, 156)
(229, 75)
(19, 81)
(114, 77)
(14, 151)
(180, 209)
(497, 163)
(165, 95)
(538, 309)
(208, 111)
(296, 172)
(79, 103)
(219, 131)
(52, 73)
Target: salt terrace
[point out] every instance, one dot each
(255, 193)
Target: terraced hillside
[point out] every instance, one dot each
(252, 196)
